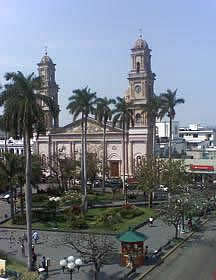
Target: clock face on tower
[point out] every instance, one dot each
(137, 89)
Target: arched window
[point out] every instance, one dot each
(138, 67)
(138, 160)
(138, 118)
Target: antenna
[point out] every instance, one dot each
(46, 50)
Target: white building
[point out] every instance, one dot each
(163, 129)
(162, 139)
(198, 137)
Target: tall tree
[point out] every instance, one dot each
(169, 101)
(9, 169)
(23, 113)
(148, 175)
(103, 115)
(153, 110)
(124, 117)
(82, 103)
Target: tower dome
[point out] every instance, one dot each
(140, 44)
(46, 59)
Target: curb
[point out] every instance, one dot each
(140, 277)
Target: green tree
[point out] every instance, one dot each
(148, 175)
(9, 168)
(168, 102)
(124, 117)
(153, 110)
(92, 166)
(82, 103)
(173, 175)
(63, 168)
(103, 115)
(23, 113)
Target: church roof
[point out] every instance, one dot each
(46, 60)
(140, 44)
(131, 236)
(94, 127)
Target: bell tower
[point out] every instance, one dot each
(141, 80)
(46, 69)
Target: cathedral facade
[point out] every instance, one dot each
(67, 140)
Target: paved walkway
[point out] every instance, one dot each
(50, 246)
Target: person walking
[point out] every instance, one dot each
(22, 249)
(43, 262)
(34, 260)
(151, 221)
(35, 237)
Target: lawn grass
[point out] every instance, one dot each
(12, 264)
(90, 219)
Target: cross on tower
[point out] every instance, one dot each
(140, 32)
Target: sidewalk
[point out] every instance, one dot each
(158, 235)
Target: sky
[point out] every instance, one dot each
(90, 42)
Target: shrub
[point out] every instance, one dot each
(78, 223)
(19, 219)
(39, 197)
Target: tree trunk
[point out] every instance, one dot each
(153, 139)
(104, 156)
(170, 137)
(12, 202)
(28, 199)
(176, 231)
(150, 200)
(123, 162)
(21, 200)
(85, 167)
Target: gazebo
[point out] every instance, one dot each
(132, 245)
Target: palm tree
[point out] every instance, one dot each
(153, 109)
(103, 115)
(168, 103)
(23, 113)
(8, 171)
(124, 116)
(82, 103)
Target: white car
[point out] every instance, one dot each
(163, 188)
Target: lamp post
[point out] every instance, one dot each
(63, 264)
(78, 263)
(71, 266)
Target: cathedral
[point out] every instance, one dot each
(67, 139)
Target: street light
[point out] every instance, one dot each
(78, 263)
(71, 266)
(63, 264)
(70, 259)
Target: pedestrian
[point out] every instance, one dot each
(23, 249)
(35, 237)
(146, 252)
(32, 249)
(130, 262)
(190, 224)
(34, 260)
(151, 221)
(43, 262)
(11, 239)
(24, 237)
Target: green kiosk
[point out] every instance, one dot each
(132, 246)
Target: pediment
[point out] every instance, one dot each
(93, 127)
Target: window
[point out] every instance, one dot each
(195, 135)
(138, 118)
(138, 67)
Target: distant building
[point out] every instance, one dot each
(198, 137)
(162, 139)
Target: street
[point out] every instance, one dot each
(196, 259)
